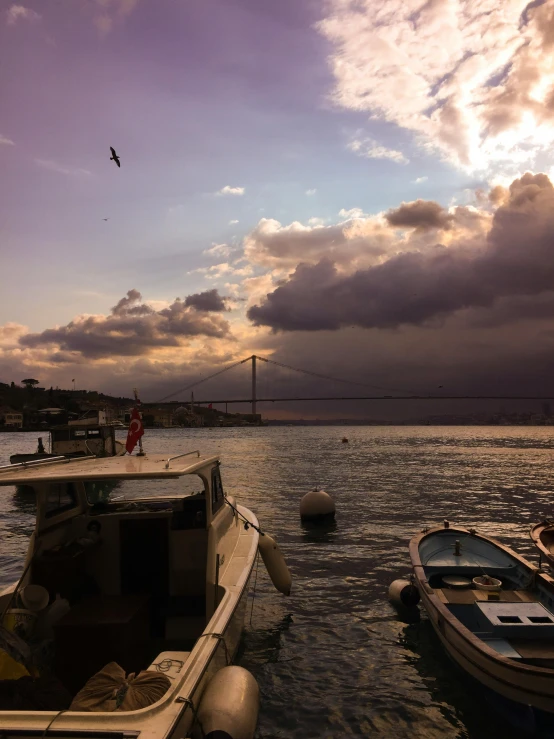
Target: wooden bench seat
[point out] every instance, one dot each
(468, 596)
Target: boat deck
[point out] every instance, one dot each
(537, 651)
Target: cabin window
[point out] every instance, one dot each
(93, 433)
(217, 490)
(61, 497)
(78, 434)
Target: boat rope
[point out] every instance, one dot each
(255, 581)
(64, 710)
(247, 523)
(166, 664)
(221, 638)
(195, 719)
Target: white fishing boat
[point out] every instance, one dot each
(154, 580)
(542, 535)
(492, 610)
(88, 435)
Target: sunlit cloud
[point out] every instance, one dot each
(473, 81)
(352, 213)
(16, 13)
(365, 146)
(228, 190)
(233, 222)
(219, 250)
(419, 180)
(109, 13)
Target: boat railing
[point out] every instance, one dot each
(43, 462)
(178, 456)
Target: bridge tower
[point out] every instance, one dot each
(253, 384)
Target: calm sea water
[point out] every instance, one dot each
(334, 659)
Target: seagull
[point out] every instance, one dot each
(114, 157)
(105, 219)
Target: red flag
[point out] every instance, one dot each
(210, 405)
(136, 430)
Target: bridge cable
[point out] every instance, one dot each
(337, 379)
(199, 382)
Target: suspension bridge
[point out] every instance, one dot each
(254, 399)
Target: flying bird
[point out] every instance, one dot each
(105, 219)
(114, 157)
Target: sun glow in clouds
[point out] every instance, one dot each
(473, 81)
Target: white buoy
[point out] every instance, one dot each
(275, 563)
(404, 593)
(317, 505)
(229, 705)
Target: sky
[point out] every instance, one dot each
(358, 188)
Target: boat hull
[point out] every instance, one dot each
(521, 683)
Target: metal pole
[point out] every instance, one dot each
(253, 384)
(225, 407)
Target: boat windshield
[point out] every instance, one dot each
(102, 491)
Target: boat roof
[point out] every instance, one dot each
(152, 466)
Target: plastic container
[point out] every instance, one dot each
(20, 621)
(484, 582)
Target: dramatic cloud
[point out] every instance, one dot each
(5, 140)
(61, 168)
(134, 328)
(16, 13)
(369, 148)
(421, 214)
(228, 190)
(473, 79)
(210, 300)
(515, 258)
(276, 246)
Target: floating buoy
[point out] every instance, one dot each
(275, 563)
(229, 705)
(404, 593)
(317, 505)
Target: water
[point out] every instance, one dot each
(334, 659)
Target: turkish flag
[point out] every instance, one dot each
(210, 405)
(136, 430)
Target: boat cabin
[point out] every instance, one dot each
(141, 551)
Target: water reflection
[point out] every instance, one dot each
(335, 659)
(320, 531)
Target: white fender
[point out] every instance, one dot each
(229, 705)
(275, 563)
(403, 593)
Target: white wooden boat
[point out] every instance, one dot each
(161, 586)
(542, 535)
(504, 639)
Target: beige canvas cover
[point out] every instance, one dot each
(111, 690)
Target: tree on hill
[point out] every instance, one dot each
(30, 383)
